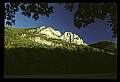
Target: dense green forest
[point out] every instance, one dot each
(23, 56)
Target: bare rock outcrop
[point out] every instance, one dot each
(49, 36)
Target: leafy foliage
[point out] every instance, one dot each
(86, 13)
(28, 9)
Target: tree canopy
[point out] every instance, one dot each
(85, 14)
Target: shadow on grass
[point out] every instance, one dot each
(28, 61)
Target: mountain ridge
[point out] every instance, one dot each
(46, 36)
(41, 36)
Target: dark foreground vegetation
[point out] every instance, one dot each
(26, 61)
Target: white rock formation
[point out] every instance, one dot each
(49, 32)
(72, 38)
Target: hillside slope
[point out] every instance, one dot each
(24, 56)
(45, 36)
(108, 46)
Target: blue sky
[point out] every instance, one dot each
(62, 20)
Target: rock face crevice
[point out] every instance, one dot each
(49, 36)
(72, 38)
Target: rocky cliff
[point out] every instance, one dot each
(49, 36)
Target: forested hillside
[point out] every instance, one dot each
(23, 56)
